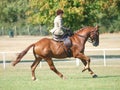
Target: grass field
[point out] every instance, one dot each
(19, 77)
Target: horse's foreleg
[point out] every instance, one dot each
(89, 69)
(85, 60)
(33, 67)
(52, 67)
(85, 63)
(92, 73)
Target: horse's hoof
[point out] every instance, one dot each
(33, 78)
(64, 78)
(13, 64)
(94, 76)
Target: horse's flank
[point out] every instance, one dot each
(50, 48)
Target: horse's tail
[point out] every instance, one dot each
(20, 55)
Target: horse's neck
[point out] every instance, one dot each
(85, 35)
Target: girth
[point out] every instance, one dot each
(68, 43)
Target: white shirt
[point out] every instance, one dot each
(57, 30)
(58, 22)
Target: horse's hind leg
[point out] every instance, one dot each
(52, 67)
(33, 67)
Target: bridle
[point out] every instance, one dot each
(89, 40)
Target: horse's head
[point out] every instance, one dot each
(90, 33)
(94, 36)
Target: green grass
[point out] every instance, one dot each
(19, 78)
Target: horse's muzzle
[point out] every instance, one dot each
(95, 43)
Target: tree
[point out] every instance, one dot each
(13, 10)
(77, 13)
(43, 12)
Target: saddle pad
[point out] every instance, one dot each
(67, 42)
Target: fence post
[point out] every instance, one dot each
(40, 28)
(15, 30)
(41, 64)
(77, 62)
(104, 57)
(2, 30)
(28, 29)
(4, 62)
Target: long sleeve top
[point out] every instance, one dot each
(57, 29)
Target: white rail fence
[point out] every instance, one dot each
(77, 60)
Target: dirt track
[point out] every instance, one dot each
(18, 43)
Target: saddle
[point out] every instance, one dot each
(66, 40)
(67, 43)
(62, 38)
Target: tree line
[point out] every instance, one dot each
(77, 13)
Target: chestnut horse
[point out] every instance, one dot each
(48, 48)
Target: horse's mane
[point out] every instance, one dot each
(81, 29)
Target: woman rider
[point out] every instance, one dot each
(58, 31)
